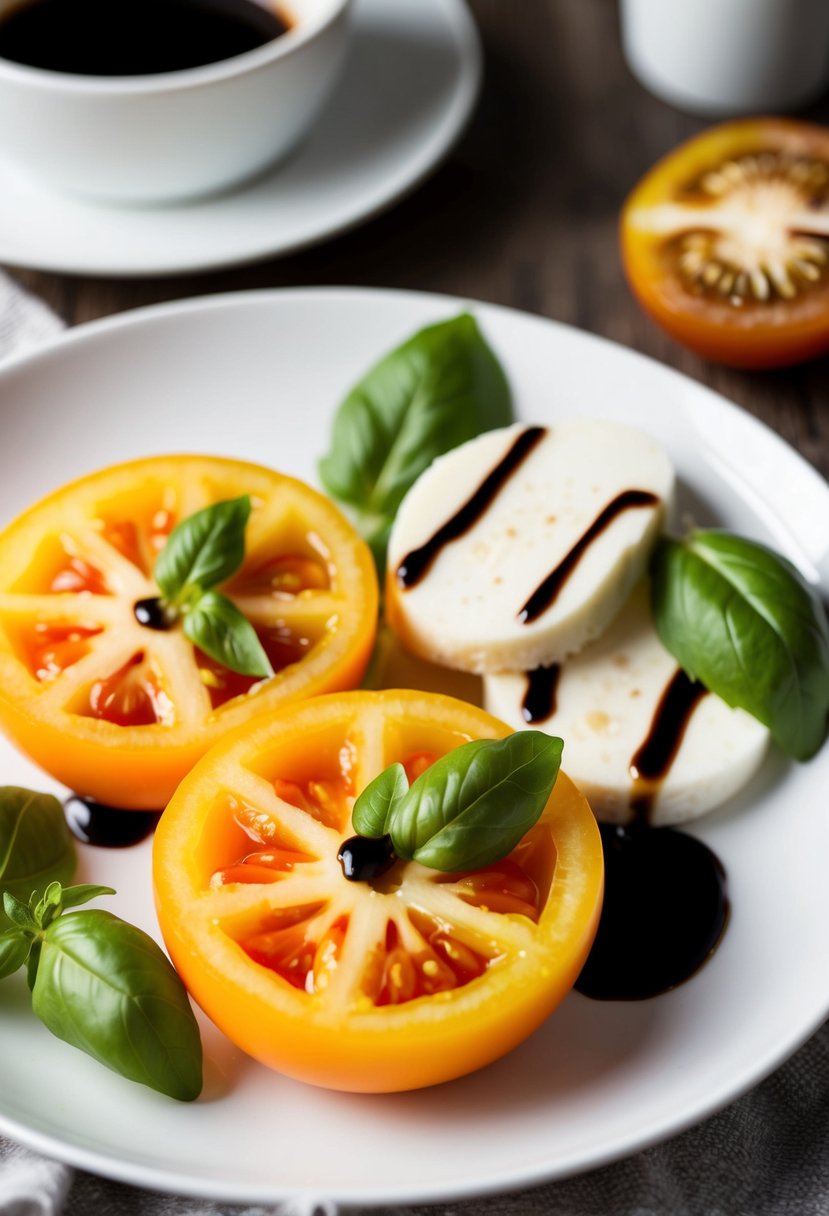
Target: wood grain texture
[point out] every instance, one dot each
(523, 213)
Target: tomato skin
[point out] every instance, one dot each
(126, 776)
(782, 333)
(138, 765)
(379, 1047)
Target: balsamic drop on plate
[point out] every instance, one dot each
(665, 910)
(107, 827)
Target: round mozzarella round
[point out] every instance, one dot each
(519, 547)
(639, 737)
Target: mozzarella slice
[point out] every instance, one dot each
(607, 701)
(519, 547)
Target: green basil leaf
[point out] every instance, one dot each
(204, 549)
(73, 897)
(439, 389)
(370, 815)
(18, 914)
(107, 988)
(745, 622)
(14, 950)
(47, 906)
(56, 899)
(35, 844)
(471, 807)
(216, 626)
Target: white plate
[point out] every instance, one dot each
(258, 376)
(411, 81)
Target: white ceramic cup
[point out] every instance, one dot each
(728, 57)
(173, 135)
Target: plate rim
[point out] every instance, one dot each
(431, 154)
(166, 1181)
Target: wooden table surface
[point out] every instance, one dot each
(523, 212)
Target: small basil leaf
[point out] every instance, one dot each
(14, 950)
(73, 897)
(474, 804)
(204, 549)
(48, 906)
(17, 913)
(107, 988)
(217, 627)
(439, 389)
(35, 844)
(744, 621)
(371, 811)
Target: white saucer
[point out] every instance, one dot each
(410, 84)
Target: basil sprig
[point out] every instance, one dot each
(440, 388)
(745, 622)
(104, 986)
(35, 845)
(202, 550)
(470, 808)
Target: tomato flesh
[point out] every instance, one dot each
(395, 975)
(122, 711)
(131, 696)
(140, 541)
(50, 649)
(78, 575)
(287, 576)
(726, 242)
(405, 979)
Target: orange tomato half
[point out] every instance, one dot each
(726, 242)
(410, 979)
(119, 711)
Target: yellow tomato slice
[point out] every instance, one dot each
(119, 711)
(411, 979)
(726, 242)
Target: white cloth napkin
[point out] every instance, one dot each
(25, 321)
(765, 1155)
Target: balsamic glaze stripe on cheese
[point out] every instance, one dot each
(415, 565)
(547, 591)
(539, 701)
(650, 764)
(652, 760)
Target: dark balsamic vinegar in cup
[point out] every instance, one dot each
(140, 38)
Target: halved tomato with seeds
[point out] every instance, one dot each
(726, 242)
(120, 711)
(411, 978)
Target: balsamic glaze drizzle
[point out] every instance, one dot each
(539, 702)
(416, 564)
(107, 827)
(151, 613)
(547, 591)
(362, 858)
(651, 762)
